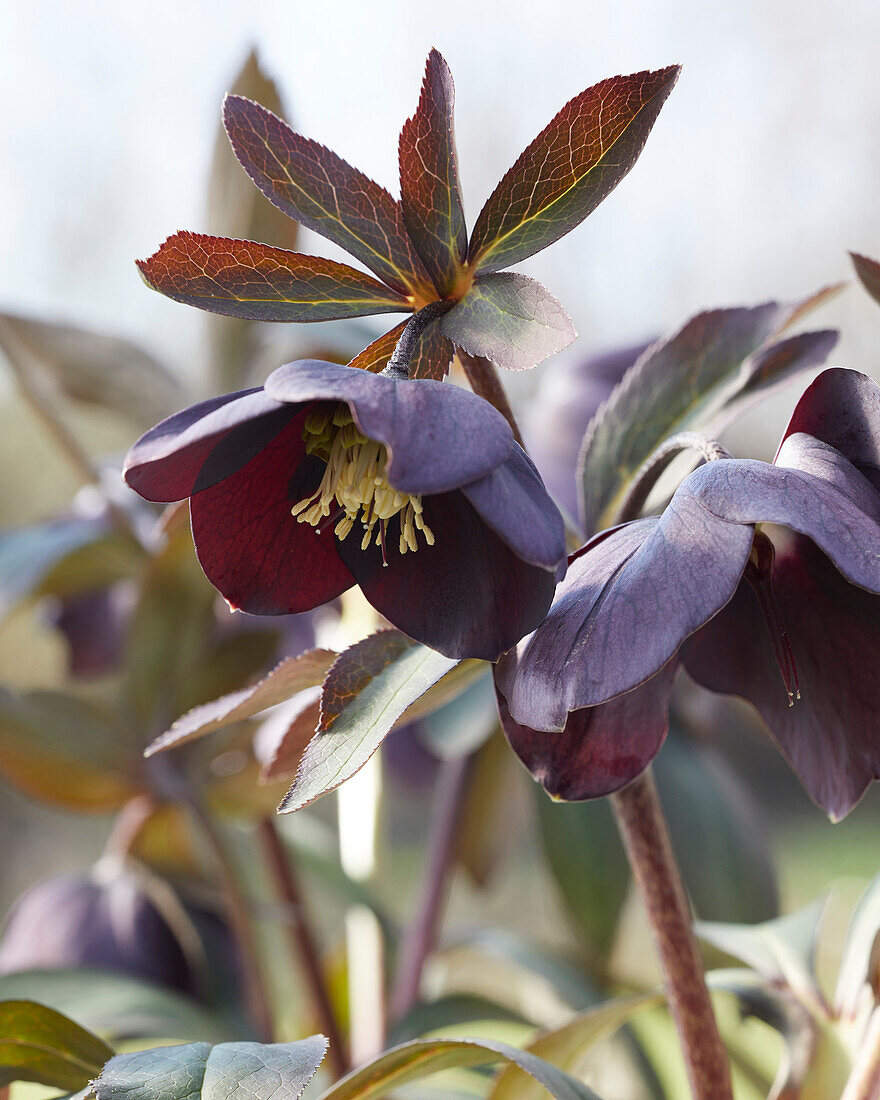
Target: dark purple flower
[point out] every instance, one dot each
(332, 476)
(763, 579)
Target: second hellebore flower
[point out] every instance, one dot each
(332, 476)
(762, 579)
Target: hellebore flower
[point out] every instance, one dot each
(331, 476)
(762, 579)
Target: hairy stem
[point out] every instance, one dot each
(646, 838)
(864, 1081)
(129, 824)
(284, 873)
(399, 364)
(483, 377)
(420, 936)
(649, 473)
(256, 993)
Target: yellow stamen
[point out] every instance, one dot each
(354, 483)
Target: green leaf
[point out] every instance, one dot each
(566, 1046)
(228, 1071)
(368, 688)
(287, 679)
(570, 167)
(858, 964)
(511, 319)
(454, 1011)
(585, 856)
(67, 751)
(716, 833)
(321, 191)
(39, 1044)
(116, 1005)
(258, 282)
(684, 382)
(430, 191)
(90, 367)
(781, 951)
(415, 1060)
(868, 271)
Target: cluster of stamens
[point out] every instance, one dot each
(354, 488)
(759, 573)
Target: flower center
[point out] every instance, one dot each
(354, 488)
(759, 574)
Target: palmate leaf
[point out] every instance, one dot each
(705, 373)
(430, 190)
(199, 1071)
(369, 687)
(321, 191)
(868, 271)
(418, 1059)
(39, 1044)
(510, 319)
(258, 282)
(570, 167)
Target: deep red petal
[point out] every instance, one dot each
(252, 549)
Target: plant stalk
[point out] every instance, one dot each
(864, 1080)
(399, 364)
(284, 873)
(482, 374)
(420, 936)
(645, 836)
(649, 473)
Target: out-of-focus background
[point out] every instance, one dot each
(762, 170)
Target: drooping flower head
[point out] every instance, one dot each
(763, 579)
(332, 476)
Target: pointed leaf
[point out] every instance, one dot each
(228, 1071)
(858, 966)
(319, 189)
(261, 283)
(39, 1044)
(782, 950)
(368, 688)
(287, 679)
(282, 738)
(415, 1060)
(566, 1046)
(66, 751)
(510, 319)
(90, 367)
(680, 383)
(430, 191)
(570, 167)
(868, 271)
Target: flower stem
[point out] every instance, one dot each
(399, 364)
(420, 936)
(646, 839)
(259, 1007)
(283, 870)
(129, 824)
(648, 474)
(864, 1081)
(483, 377)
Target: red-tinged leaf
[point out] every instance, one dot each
(430, 190)
(368, 689)
(431, 358)
(510, 319)
(570, 167)
(261, 283)
(288, 678)
(280, 743)
(320, 190)
(868, 271)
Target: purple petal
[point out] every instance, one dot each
(601, 748)
(512, 500)
(842, 408)
(469, 595)
(252, 549)
(628, 601)
(168, 462)
(812, 489)
(830, 735)
(438, 436)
